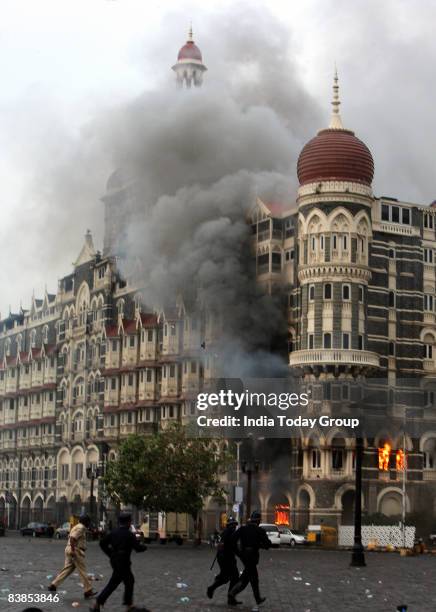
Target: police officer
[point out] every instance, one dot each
(247, 541)
(75, 557)
(118, 545)
(226, 560)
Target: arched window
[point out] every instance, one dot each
(120, 307)
(428, 346)
(430, 454)
(138, 302)
(33, 338)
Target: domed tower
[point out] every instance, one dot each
(335, 171)
(189, 67)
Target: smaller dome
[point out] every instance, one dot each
(190, 51)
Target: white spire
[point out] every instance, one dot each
(190, 35)
(335, 121)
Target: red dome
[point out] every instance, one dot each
(335, 154)
(190, 51)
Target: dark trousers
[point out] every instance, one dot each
(249, 575)
(119, 575)
(229, 572)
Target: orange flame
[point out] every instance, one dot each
(282, 515)
(400, 460)
(384, 454)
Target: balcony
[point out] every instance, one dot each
(428, 365)
(429, 474)
(335, 357)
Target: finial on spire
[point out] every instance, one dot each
(190, 36)
(335, 121)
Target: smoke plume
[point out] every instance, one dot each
(195, 161)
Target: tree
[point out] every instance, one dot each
(168, 472)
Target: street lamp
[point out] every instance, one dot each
(358, 555)
(249, 466)
(92, 472)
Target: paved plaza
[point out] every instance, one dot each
(175, 578)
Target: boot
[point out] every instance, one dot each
(257, 595)
(231, 601)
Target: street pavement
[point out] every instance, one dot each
(172, 578)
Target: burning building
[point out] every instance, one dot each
(100, 359)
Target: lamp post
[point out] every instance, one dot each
(250, 466)
(358, 555)
(92, 473)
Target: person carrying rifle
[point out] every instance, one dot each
(247, 541)
(226, 560)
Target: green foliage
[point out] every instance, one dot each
(168, 472)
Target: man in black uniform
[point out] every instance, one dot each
(118, 545)
(226, 560)
(248, 540)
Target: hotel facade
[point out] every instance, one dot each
(85, 367)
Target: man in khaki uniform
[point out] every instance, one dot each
(75, 557)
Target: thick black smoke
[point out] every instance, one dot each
(196, 160)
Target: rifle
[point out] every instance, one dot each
(213, 562)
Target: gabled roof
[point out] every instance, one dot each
(148, 320)
(111, 331)
(88, 251)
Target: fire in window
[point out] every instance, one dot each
(400, 460)
(384, 454)
(281, 515)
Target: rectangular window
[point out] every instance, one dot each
(78, 471)
(149, 375)
(311, 293)
(360, 343)
(130, 380)
(328, 291)
(346, 292)
(132, 341)
(428, 255)
(344, 243)
(361, 294)
(337, 458)
(327, 341)
(385, 212)
(316, 458)
(405, 217)
(172, 371)
(428, 302)
(335, 242)
(311, 341)
(346, 341)
(150, 335)
(113, 384)
(395, 214)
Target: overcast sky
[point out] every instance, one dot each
(65, 63)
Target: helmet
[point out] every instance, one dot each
(231, 521)
(255, 516)
(85, 520)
